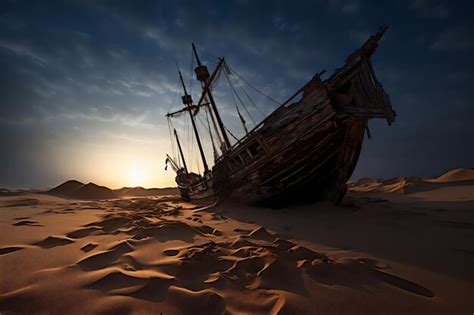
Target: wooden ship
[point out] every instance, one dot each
(305, 150)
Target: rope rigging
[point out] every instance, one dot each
(249, 84)
(231, 134)
(208, 128)
(216, 155)
(251, 101)
(191, 81)
(214, 124)
(219, 131)
(173, 148)
(238, 97)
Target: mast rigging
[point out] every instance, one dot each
(202, 74)
(181, 152)
(188, 103)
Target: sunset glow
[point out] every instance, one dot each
(137, 176)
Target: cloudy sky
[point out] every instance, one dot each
(85, 85)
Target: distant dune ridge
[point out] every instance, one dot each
(407, 185)
(455, 175)
(66, 188)
(74, 189)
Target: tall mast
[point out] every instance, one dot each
(180, 151)
(188, 102)
(202, 74)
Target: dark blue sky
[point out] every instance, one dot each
(84, 85)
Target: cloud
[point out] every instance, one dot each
(460, 38)
(22, 50)
(431, 9)
(350, 8)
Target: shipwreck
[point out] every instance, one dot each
(305, 150)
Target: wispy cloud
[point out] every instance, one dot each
(431, 9)
(460, 38)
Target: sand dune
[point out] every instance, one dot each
(76, 190)
(409, 185)
(158, 255)
(65, 189)
(455, 175)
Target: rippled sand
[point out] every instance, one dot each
(379, 252)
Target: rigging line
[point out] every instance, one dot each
(176, 96)
(171, 138)
(188, 137)
(238, 97)
(253, 87)
(208, 56)
(173, 146)
(215, 82)
(219, 138)
(240, 85)
(231, 134)
(197, 164)
(251, 101)
(208, 127)
(193, 143)
(200, 120)
(232, 94)
(216, 155)
(242, 120)
(191, 73)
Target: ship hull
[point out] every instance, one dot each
(314, 168)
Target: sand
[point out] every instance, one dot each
(402, 246)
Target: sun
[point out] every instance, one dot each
(137, 176)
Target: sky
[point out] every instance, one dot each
(85, 85)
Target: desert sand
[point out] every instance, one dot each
(398, 246)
